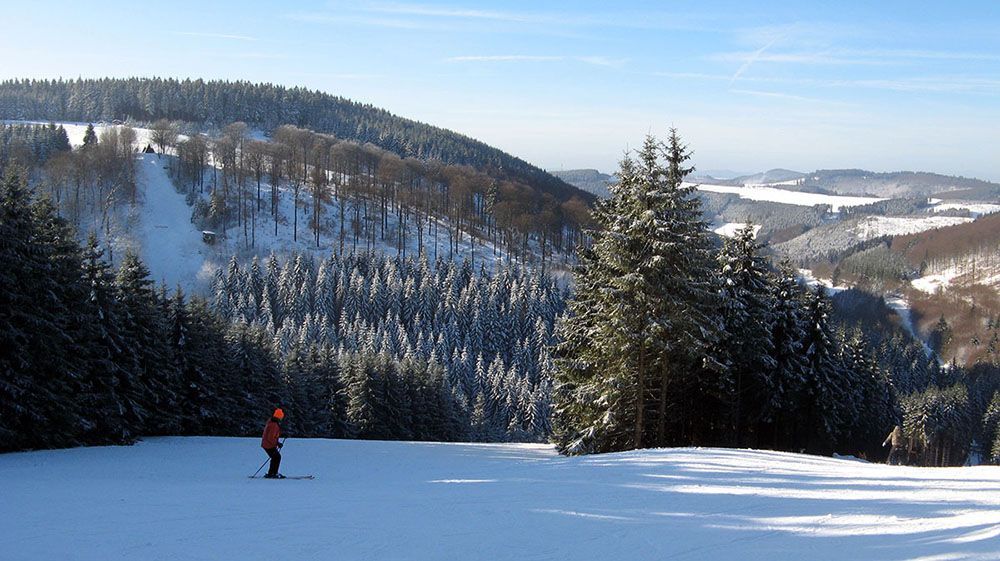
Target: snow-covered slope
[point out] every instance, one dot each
(975, 209)
(776, 195)
(729, 229)
(876, 226)
(161, 230)
(170, 245)
(189, 498)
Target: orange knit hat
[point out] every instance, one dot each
(279, 414)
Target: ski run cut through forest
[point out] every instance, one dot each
(189, 498)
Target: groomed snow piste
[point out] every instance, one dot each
(189, 498)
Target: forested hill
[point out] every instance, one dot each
(266, 106)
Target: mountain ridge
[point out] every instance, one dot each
(268, 106)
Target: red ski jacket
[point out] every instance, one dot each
(271, 433)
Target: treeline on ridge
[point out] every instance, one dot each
(266, 106)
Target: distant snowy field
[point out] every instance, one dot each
(975, 209)
(189, 498)
(729, 229)
(786, 196)
(876, 226)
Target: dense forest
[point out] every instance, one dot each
(488, 336)
(267, 107)
(669, 338)
(32, 145)
(98, 356)
(672, 341)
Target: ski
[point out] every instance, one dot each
(299, 477)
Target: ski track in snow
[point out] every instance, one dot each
(172, 247)
(190, 499)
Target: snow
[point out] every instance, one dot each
(975, 209)
(171, 246)
(877, 226)
(811, 281)
(729, 229)
(903, 309)
(789, 182)
(932, 284)
(161, 231)
(785, 196)
(189, 499)
(895, 302)
(75, 132)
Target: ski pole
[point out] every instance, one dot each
(260, 468)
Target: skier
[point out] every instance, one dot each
(269, 442)
(898, 451)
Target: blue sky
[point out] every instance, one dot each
(750, 85)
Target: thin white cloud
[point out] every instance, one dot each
(505, 58)
(253, 56)
(943, 84)
(216, 35)
(366, 21)
(438, 16)
(592, 60)
(602, 60)
(848, 57)
(752, 59)
(786, 96)
(447, 12)
(921, 54)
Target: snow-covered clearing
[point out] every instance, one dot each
(789, 182)
(729, 229)
(975, 209)
(876, 226)
(785, 196)
(189, 498)
(931, 284)
(76, 131)
(812, 281)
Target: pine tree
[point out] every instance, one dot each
(644, 317)
(749, 321)
(40, 324)
(150, 389)
(825, 403)
(106, 349)
(89, 137)
(786, 380)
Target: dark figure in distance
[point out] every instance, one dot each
(269, 442)
(898, 451)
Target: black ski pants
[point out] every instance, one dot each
(897, 456)
(275, 460)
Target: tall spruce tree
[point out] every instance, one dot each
(151, 387)
(644, 315)
(748, 313)
(824, 402)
